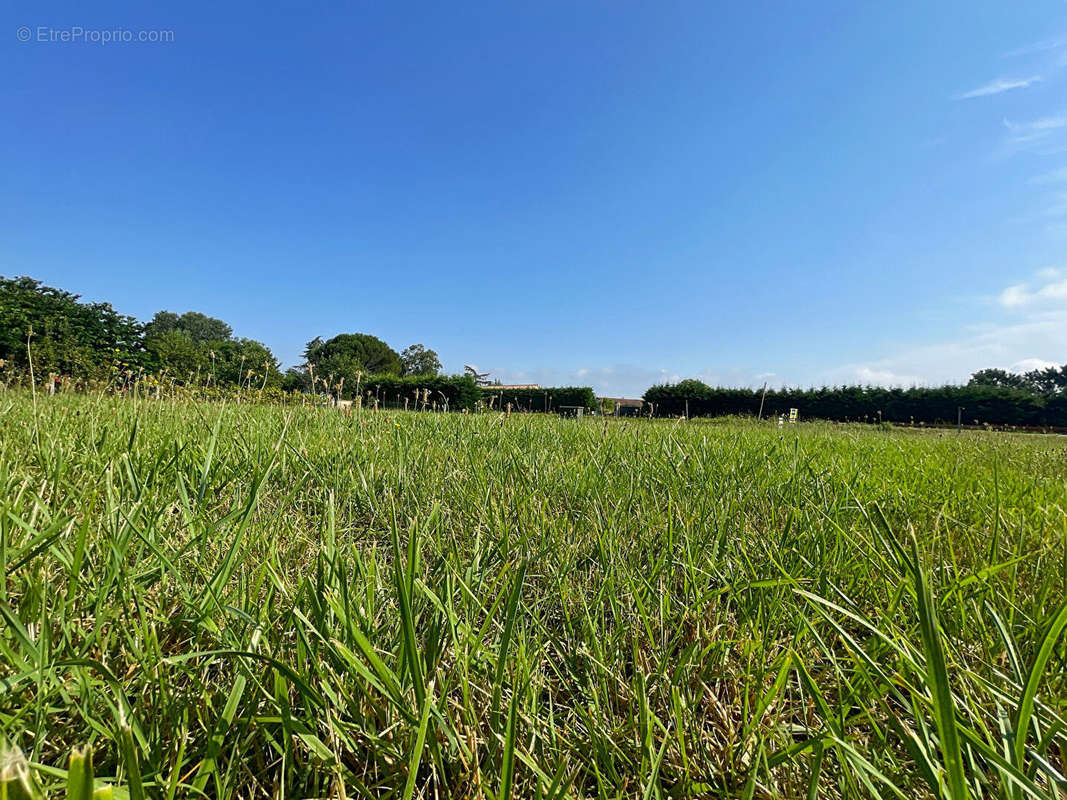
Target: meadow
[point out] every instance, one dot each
(242, 601)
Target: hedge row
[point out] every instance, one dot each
(455, 391)
(460, 391)
(549, 398)
(981, 404)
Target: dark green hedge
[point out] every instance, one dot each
(549, 398)
(459, 390)
(984, 404)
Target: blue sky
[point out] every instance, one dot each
(610, 193)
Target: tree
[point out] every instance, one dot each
(347, 354)
(200, 327)
(175, 351)
(997, 377)
(193, 344)
(1048, 381)
(690, 397)
(418, 360)
(480, 378)
(245, 361)
(69, 337)
(692, 389)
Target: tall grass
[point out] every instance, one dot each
(251, 601)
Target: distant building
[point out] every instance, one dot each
(624, 406)
(504, 386)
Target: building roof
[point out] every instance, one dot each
(625, 402)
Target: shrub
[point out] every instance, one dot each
(457, 391)
(547, 399)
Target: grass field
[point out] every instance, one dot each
(251, 601)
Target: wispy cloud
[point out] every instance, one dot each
(1042, 124)
(1041, 132)
(1031, 334)
(998, 86)
(1030, 340)
(1049, 289)
(1043, 46)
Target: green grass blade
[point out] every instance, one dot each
(415, 760)
(80, 775)
(1025, 711)
(938, 682)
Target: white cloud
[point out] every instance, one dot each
(1032, 337)
(1052, 290)
(1036, 47)
(998, 86)
(1037, 126)
(1040, 338)
(1013, 296)
(1042, 124)
(1030, 364)
(1037, 132)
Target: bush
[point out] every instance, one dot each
(457, 391)
(547, 399)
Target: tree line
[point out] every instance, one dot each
(56, 333)
(980, 401)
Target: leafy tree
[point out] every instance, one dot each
(997, 377)
(692, 389)
(69, 337)
(176, 352)
(347, 354)
(1049, 381)
(200, 327)
(295, 379)
(195, 344)
(245, 361)
(419, 360)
